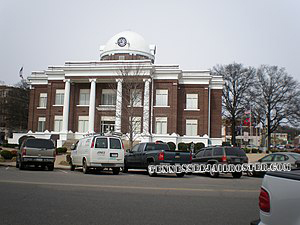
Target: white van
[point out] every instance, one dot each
(97, 151)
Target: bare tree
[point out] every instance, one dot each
(132, 100)
(277, 98)
(14, 103)
(238, 80)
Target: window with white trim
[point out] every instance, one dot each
(161, 97)
(161, 125)
(136, 97)
(107, 124)
(108, 97)
(58, 121)
(41, 124)
(59, 97)
(191, 101)
(83, 124)
(135, 124)
(191, 127)
(43, 100)
(84, 97)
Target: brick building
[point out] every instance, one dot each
(88, 96)
(13, 110)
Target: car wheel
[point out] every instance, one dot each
(237, 174)
(250, 173)
(51, 167)
(125, 169)
(17, 163)
(214, 174)
(21, 166)
(116, 170)
(180, 174)
(85, 168)
(72, 167)
(150, 173)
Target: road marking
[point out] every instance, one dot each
(7, 168)
(130, 187)
(63, 171)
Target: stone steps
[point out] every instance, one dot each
(68, 143)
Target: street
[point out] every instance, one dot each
(64, 197)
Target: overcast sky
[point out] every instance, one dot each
(193, 34)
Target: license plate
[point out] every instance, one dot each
(39, 160)
(113, 154)
(237, 160)
(177, 156)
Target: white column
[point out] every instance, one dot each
(66, 106)
(119, 105)
(146, 106)
(92, 105)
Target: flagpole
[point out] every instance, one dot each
(251, 125)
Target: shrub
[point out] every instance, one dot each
(172, 145)
(247, 150)
(14, 153)
(226, 143)
(199, 146)
(6, 154)
(254, 150)
(61, 150)
(182, 146)
(9, 145)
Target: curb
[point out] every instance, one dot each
(7, 165)
(55, 167)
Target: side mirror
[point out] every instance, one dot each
(297, 163)
(73, 147)
(194, 156)
(128, 150)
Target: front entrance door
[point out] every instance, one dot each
(107, 126)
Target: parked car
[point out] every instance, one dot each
(36, 151)
(144, 154)
(97, 151)
(279, 199)
(296, 149)
(221, 155)
(278, 157)
(252, 147)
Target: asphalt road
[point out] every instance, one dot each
(66, 197)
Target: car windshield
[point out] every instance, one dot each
(295, 156)
(39, 143)
(235, 152)
(152, 146)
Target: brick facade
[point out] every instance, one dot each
(175, 112)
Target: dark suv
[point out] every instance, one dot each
(221, 155)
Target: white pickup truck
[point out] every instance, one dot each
(279, 199)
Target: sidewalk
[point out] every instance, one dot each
(255, 156)
(59, 159)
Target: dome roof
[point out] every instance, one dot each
(128, 42)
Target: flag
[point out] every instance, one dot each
(247, 122)
(21, 73)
